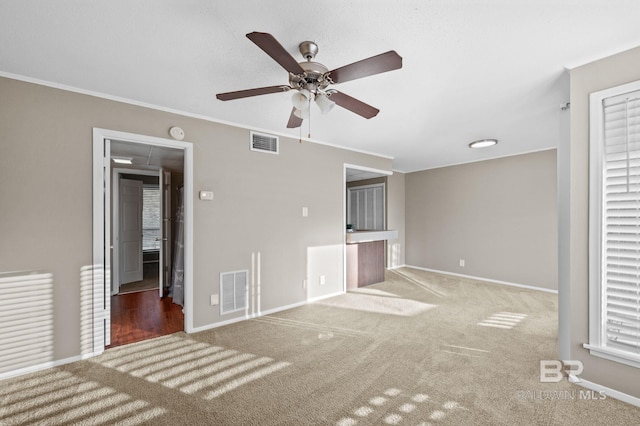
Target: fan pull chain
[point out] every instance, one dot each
(309, 135)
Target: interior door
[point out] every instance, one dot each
(165, 246)
(130, 230)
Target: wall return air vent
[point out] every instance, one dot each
(234, 291)
(264, 143)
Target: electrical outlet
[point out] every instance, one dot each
(304, 283)
(323, 280)
(462, 262)
(214, 300)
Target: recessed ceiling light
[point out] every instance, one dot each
(483, 143)
(122, 160)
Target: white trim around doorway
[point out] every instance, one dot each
(101, 227)
(344, 212)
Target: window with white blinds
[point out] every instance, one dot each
(365, 207)
(615, 227)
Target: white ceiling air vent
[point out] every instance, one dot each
(264, 143)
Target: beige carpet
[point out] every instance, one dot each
(418, 349)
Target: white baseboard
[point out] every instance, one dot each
(629, 399)
(326, 296)
(398, 267)
(262, 313)
(42, 366)
(489, 280)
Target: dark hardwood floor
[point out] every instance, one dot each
(143, 315)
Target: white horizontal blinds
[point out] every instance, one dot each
(621, 222)
(367, 207)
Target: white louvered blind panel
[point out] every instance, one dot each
(366, 207)
(621, 222)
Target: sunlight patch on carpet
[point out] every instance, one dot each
(363, 411)
(379, 304)
(399, 408)
(506, 320)
(62, 398)
(324, 332)
(378, 400)
(372, 291)
(193, 368)
(393, 419)
(463, 351)
(425, 285)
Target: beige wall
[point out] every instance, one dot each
(46, 202)
(497, 215)
(396, 219)
(574, 233)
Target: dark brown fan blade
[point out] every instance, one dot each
(294, 121)
(251, 92)
(354, 105)
(374, 65)
(271, 47)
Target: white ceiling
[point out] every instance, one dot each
(472, 69)
(148, 156)
(353, 175)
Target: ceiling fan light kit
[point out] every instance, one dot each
(311, 80)
(324, 103)
(301, 99)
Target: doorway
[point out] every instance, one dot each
(370, 180)
(142, 214)
(147, 156)
(150, 241)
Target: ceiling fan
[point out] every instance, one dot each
(311, 80)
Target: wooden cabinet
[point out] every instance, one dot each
(365, 263)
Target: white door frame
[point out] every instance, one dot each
(102, 265)
(344, 213)
(115, 260)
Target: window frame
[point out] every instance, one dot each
(153, 187)
(597, 345)
(350, 206)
